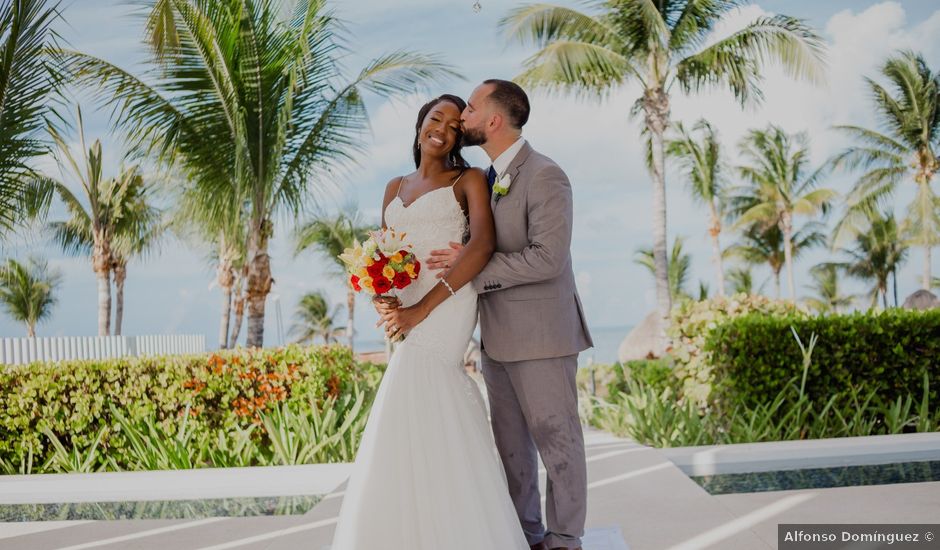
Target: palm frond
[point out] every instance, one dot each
(736, 61)
(581, 68)
(26, 79)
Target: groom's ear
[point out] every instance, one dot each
(496, 121)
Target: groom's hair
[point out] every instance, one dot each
(512, 99)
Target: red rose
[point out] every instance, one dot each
(354, 281)
(381, 285)
(417, 267)
(402, 279)
(375, 270)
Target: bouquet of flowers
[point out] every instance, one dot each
(383, 262)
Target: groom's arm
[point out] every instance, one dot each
(550, 211)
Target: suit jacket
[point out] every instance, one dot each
(529, 304)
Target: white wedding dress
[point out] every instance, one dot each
(427, 475)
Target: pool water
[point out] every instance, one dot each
(819, 478)
(161, 509)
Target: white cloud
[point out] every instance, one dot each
(598, 145)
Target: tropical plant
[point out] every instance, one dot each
(136, 235)
(117, 211)
(905, 150)
(27, 291)
(760, 246)
(660, 45)
(26, 81)
(201, 219)
(250, 105)
(332, 236)
(829, 297)
(679, 265)
(780, 187)
(877, 255)
(742, 280)
(701, 162)
(316, 319)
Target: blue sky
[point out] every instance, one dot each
(597, 143)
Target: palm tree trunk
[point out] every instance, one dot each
(101, 264)
(894, 281)
(238, 299)
(928, 257)
(715, 231)
(226, 317)
(351, 307)
(30, 330)
(787, 223)
(225, 278)
(656, 107)
(104, 303)
(777, 283)
(258, 283)
(120, 275)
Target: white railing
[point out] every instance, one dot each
(17, 351)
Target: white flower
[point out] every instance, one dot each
(501, 187)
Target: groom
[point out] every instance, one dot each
(531, 320)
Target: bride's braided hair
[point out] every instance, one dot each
(455, 157)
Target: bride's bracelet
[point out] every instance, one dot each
(452, 293)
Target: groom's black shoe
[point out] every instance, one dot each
(539, 546)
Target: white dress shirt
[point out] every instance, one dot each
(502, 162)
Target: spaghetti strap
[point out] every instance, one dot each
(460, 175)
(400, 180)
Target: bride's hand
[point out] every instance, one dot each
(400, 321)
(384, 304)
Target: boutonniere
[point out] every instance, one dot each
(501, 186)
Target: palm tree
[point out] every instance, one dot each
(202, 218)
(780, 187)
(764, 246)
(701, 162)
(332, 236)
(742, 280)
(316, 319)
(877, 255)
(25, 83)
(116, 210)
(679, 265)
(251, 106)
(906, 150)
(136, 234)
(829, 298)
(27, 291)
(659, 44)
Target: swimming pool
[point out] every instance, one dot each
(819, 478)
(161, 509)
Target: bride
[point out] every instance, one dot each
(427, 475)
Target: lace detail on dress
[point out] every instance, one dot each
(430, 222)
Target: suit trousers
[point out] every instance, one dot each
(534, 411)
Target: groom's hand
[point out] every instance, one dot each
(442, 259)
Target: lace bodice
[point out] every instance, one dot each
(430, 222)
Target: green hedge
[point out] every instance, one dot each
(755, 356)
(222, 393)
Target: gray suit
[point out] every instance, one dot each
(533, 327)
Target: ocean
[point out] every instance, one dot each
(606, 342)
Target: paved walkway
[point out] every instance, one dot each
(635, 495)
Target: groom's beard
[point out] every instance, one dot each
(472, 137)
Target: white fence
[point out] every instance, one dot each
(17, 351)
